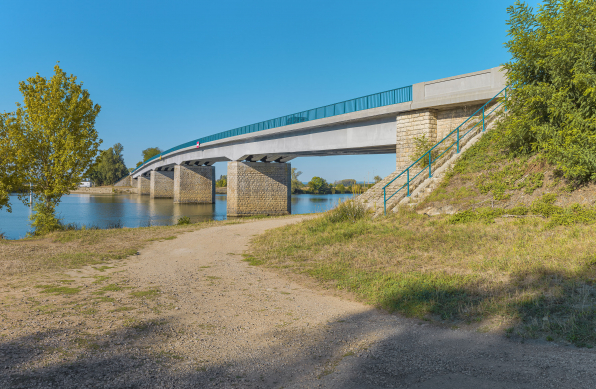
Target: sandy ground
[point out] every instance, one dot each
(234, 325)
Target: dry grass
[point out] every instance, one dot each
(74, 249)
(538, 281)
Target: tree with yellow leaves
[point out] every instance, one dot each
(52, 143)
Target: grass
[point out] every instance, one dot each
(537, 277)
(145, 293)
(53, 289)
(76, 248)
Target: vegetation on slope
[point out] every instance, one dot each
(517, 250)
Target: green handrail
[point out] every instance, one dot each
(429, 152)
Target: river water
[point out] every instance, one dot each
(138, 211)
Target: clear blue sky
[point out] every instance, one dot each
(172, 71)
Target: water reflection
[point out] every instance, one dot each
(135, 211)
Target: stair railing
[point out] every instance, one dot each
(456, 143)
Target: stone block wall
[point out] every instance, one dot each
(194, 184)
(259, 188)
(449, 119)
(126, 181)
(411, 125)
(144, 185)
(162, 184)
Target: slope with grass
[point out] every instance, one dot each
(516, 253)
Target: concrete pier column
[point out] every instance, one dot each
(259, 188)
(162, 184)
(144, 185)
(194, 184)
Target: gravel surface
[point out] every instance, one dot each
(218, 322)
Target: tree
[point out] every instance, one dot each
(341, 188)
(150, 152)
(552, 74)
(53, 140)
(10, 179)
(222, 182)
(377, 179)
(318, 185)
(296, 183)
(110, 166)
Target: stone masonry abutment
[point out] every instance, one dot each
(144, 185)
(259, 188)
(162, 184)
(194, 184)
(433, 124)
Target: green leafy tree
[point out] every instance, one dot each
(150, 152)
(10, 177)
(318, 185)
(296, 183)
(552, 103)
(110, 166)
(222, 182)
(54, 141)
(377, 179)
(340, 188)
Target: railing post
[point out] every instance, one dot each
(385, 201)
(482, 119)
(408, 183)
(430, 161)
(505, 99)
(458, 140)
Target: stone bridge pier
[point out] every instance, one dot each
(162, 184)
(259, 188)
(144, 185)
(194, 184)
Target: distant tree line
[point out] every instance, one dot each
(318, 185)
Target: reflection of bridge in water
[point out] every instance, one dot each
(257, 154)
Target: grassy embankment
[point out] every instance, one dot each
(518, 256)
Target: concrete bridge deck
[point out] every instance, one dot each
(371, 131)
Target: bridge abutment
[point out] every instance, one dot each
(259, 188)
(194, 184)
(162, 184)
(144, 185)
(412, 125)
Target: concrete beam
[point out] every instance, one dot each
(194, 184)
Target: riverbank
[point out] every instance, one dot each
(107, 190)
(186, 311)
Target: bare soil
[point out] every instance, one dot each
(187, 312)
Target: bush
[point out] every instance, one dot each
(552, 73)
(184, 220)
(43, 220)
(348, 211)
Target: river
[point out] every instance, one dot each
(138, 211)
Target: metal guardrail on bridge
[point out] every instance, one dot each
(390, 97)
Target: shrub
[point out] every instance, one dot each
(183, 221)
(347, 211)
(552, 73)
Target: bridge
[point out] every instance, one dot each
(258, 154)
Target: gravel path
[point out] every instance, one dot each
(267, 331)
(231, 325)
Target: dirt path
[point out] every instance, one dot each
(253, 328)
(187, 312)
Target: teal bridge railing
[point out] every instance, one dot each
(393, 96)
(433, 159)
